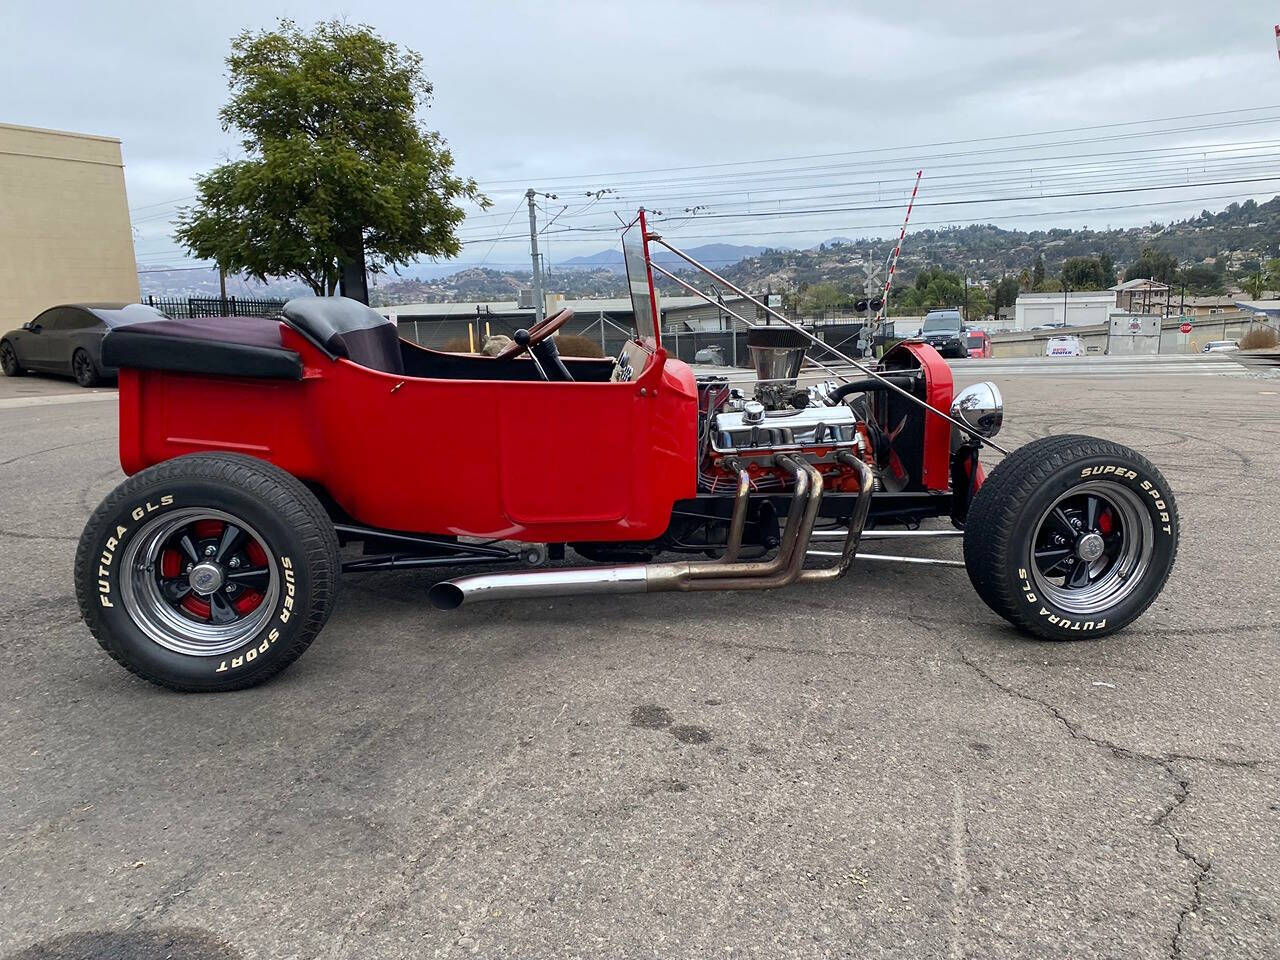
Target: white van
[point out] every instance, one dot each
(1064, 347)
(1221, 346)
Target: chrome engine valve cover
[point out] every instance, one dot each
(735, 432)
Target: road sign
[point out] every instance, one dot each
(1185, 328)
(1135, 325)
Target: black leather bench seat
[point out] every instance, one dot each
(217, 346)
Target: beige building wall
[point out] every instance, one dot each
(64, 222)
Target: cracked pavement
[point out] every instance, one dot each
(877, 767)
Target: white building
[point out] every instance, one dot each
(1077, 309)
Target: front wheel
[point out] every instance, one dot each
(9, 360)
(208, 572)
(1071, 537)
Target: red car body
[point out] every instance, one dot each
(512, 460)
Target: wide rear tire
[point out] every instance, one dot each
(1071, 537)
(85, 372)
(208, 572)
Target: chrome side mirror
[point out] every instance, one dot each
(980, 407)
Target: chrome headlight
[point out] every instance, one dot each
(980, 407)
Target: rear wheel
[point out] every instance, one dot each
(1071, 537)
(208, 572)
(85, 372)
(9, 360)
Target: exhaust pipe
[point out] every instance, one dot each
(723, 573)
(578, 581)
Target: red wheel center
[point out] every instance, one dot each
(205, 534)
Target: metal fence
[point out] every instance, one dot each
(195, 307)
(717, 347)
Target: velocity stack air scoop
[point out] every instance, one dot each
(777, 352)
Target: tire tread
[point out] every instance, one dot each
(995, 510)
(278, 489)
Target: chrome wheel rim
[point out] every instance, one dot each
(221, 592)
(1091, 547)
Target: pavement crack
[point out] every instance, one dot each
(1120, 751)
(1193, 907)
(169, 895)
(36, 536)
(1163, 762)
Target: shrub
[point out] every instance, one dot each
(1259, 337)
(573, 345)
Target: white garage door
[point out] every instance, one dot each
(1078, 315)
(1038, 316)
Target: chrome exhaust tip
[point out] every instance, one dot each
(564, 582)
(446, 596)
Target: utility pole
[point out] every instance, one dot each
(539, 301)
(222, 288)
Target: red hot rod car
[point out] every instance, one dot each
(267, 457)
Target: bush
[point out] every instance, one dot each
(457, 345)
(1258, 338)
(573, 345)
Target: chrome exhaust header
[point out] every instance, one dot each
(724, 573)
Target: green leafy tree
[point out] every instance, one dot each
(1153, 265)
(824, 298)
(1037, 272)
(1203, 279)
(933, 287)
(1005, 293)
(978, 305)
(337, 165)
(1108, 270)
(1086, 273)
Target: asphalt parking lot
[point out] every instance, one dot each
(872, 768)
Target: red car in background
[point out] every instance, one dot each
(979, 343)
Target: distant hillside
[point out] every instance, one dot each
(160, 281)
(1233, 238)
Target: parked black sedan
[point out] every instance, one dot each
(68, 339)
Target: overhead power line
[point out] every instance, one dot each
(918, 146)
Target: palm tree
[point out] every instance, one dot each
(1255, 285)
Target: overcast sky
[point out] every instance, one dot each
(572, 95)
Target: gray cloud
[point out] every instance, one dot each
(527, 92)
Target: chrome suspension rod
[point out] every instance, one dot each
(964, 428)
